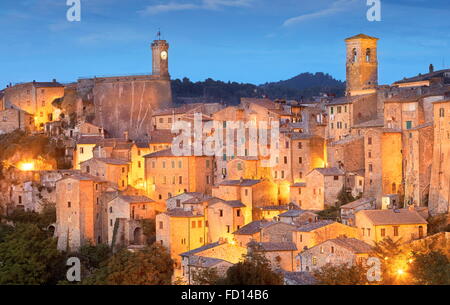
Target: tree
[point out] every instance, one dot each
(42, 220)
(208, 276)
(430, 269)
(394, 260)
(341, 275)
(29, 256)
(255, 269)
(149, 229)
(151, 266)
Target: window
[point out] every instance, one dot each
(193, 225)
(332, 249)
(368, 232)
(173, 164)
(368, 55)
(314, 260)
(282, 174)
(208, 163)
(164, 164)
(199, 223)
(228, 229)
(246, 192)
(139, 164)
(383, 232)
(420, 231)
(339, 109)
(442, 112)
(332, 126)
(408, 125)
(299, 190)
(336, 178)
(180, 180)
(110, 209)
(110, 223)
(287, 144)
(69, 204)
(370, 154)
(300, 160)
(220, 213)
(300, 145)
(395, 230)
(238, 213)
(285, 160)
(369, 141)
(370, 168)
(321, 249)
(161, 120)
(161, 225)
(354, 55)
(81, 150)
(301, 175)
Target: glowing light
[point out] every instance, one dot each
(400, 272)
(26, 166)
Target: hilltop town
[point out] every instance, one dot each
(349, 172)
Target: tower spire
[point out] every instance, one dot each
(158, 35)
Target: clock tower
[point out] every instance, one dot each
(160, 49)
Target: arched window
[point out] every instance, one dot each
(354, 55)
(368, 55)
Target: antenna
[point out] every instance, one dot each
(159, 34)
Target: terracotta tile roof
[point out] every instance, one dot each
(299, 184)
(181, 213)
(355, 245)
(372, 123)
(294, 213)
(423, 77)
(162, 153)
(201, 249)
(83, 177)
(110, 161)
(314, 225)
(243, 182)
(253, 227)
(330, 171)
(393, 217)
(161, 137)
(358, 203)
(205, 262)
(362, 36)
(274, 247)
(135, 199)
(231, 203)
(90, 140)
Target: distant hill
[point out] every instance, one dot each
(305, 85)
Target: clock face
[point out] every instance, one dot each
(164, 55)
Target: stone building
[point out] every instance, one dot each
(338, 251)
(253, 194)
(79, 211)
(14, 119)
(309, 235)
(167, 175)
(126, 103)
(362, 64)
(181, 231)
(323, 186)
(281, 255)
(250, 232)
(298, 217)
(224, 218)
(398, 224)
(440, 187)
(35, 98)
(219, 255)
(124, 216)
(114, 171)
(349, 210)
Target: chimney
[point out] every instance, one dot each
(431, 68)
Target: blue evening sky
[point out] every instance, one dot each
(239, 40)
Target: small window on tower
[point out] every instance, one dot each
(354, 55)
(368, 55)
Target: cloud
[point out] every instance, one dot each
(336, 7)
(201, 5)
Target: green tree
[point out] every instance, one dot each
(149, 230)
(29, 256)
(341, 275)
(151, 266)
(255, 269)
(42, 220)
(208, 276)
(394, 261)
(430, 269)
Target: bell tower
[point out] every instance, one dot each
(362, 64)
(160, 56)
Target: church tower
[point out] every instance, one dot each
(160, 50)
(362, 64)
